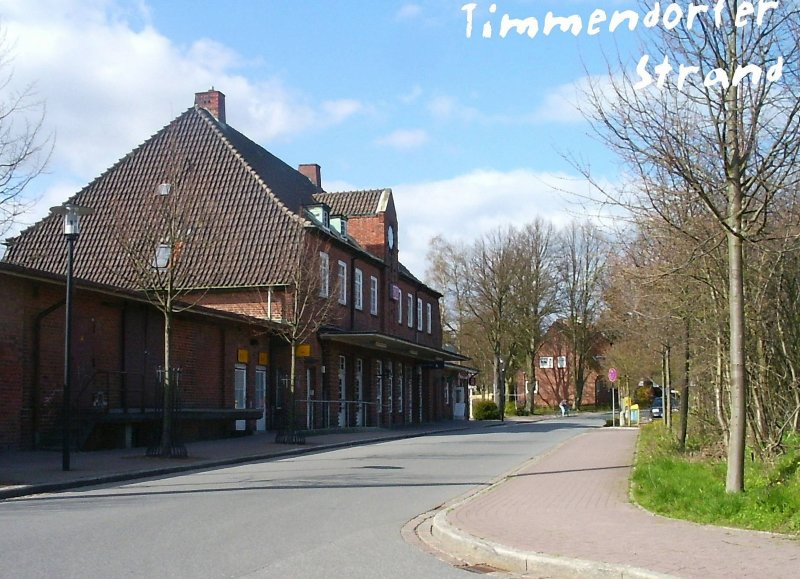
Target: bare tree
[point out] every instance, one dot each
(24, 146)
(163, 247)
(491, 277)
(310, 302)
(478, 283)
(581, 270)
(731, 144)
(535, 295)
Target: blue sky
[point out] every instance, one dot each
(469, 132)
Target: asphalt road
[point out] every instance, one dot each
(326, 515)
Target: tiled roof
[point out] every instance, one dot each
(354, 203)
(238, 203)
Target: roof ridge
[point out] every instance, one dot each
(373, 190)
(214, 125)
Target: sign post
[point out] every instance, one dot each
(612, 377)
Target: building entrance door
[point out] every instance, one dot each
(459, 405)
(359, 381)
(240, 392)
(310, 387)
(261, 397)
(342, 392)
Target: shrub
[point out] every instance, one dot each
(513, 410)
(485, 410)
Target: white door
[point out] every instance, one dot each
(261, 397)
(359, 377)
(419, 385)
(409, 397)
(309, 398)
(342, 392)
(459, 405)
(240, 392)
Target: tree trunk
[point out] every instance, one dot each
(166, 419)
(734, 482)
(684, 413)
(666, 391)
(719, 392)
(292, 381)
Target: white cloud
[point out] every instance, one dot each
(412, 95)
(405, 139)
(446, 108)
(409, 12)
(466, 206)
(563, 103)
(110, 80)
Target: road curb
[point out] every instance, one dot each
(438, 533)
(476, 550)
(40, 488)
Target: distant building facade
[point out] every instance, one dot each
(555, 363)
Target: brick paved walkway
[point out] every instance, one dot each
(573, 503)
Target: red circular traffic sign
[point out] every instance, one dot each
(612, 375)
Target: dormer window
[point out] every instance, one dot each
(322, 213)
(339, 224)
(163, 254)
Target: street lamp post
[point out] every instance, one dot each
(502, 389)
(71, 214)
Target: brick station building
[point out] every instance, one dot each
(242, 238)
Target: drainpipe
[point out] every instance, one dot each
(37, 330)
(353, 290)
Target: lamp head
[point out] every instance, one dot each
(71, 213)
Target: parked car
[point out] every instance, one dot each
(657, 407)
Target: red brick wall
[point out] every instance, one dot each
(12, 349)
(370, 232)
(113, 343)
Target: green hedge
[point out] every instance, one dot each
(485, 410)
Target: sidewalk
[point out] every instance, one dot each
(31, 472)
(521, 524)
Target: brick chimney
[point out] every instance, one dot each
(213, 101)
(313, 172)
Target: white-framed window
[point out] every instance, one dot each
(373, 295)
(545, 361)
(561, 362)
(400, 309)
(379, 385)
(419, 314)
(324, 274)
(410, 310)
(163, 253)
(342, 282)
(358, 281)
(430, 317)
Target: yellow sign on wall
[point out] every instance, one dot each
(263, 358)
(303, 350)
(243, 356)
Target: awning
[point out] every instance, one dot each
(390, 344)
